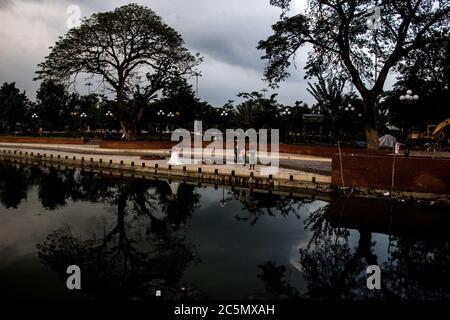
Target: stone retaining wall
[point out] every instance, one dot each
(300, 180)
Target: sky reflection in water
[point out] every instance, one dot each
(133, 237)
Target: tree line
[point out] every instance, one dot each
(144, 65)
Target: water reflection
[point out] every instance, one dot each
(132, 237)
(417, 257)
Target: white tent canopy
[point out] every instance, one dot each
(387, 141)
(175, 159)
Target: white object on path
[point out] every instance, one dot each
(175, 159)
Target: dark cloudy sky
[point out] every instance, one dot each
(226, 33)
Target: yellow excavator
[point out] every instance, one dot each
(436, 134)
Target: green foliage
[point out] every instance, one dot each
(427, 73)
(128, 48)
(257, 112)
(178, 99)
(51, 99)
(341, 40)
(13, 107)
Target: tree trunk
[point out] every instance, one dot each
(372, 138)
(128, 127)
(130, 130)
(370, 125)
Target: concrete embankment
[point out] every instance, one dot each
(227, 174)
(359, 174)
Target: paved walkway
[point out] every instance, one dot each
(288, 162)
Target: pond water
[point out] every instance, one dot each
(132, 237)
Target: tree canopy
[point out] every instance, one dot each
(125, 48)
(13, 106)
(347, 34)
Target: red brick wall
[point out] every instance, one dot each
(137, 144)
(320, 151)
(49, 140)
(414, 174)
(325, 151)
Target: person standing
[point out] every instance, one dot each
(252, 158)
(243, 156)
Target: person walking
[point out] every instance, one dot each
(252, 158)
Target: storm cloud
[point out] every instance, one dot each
(225, 33)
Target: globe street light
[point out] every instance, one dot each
(109, 115)
(83, 117)
(350, 107)
(34, 118)
(170, 115)
(286, 113)
(408, 99)
(160, 114)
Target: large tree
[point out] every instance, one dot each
(13, 106)
(427, 73)
(51, 101)
(128, 47)
(346, 35)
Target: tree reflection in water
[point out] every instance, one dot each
(256, 205)
(332, 268)
(140, 253)
(415, 268)
(13, 185)
(144, 250)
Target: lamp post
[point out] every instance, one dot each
(34, 118)
(109, 115)
(160, 114)
(83, 117)
(285, 113)
(196, 75)
(408, 99)
(170, 117)
(224, 115)
(223, 202)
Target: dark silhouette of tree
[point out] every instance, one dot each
(55, 187)
(135, 256)
(256, 205)
(274, 278)
(13, 107)
(257, 111)
(343, 37)
(14, 185)
(128, 48)
(51, 101)
(427, 73)
(179, 99)
(418, 269)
